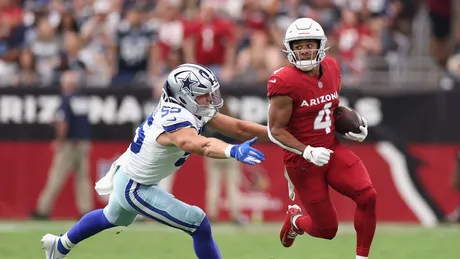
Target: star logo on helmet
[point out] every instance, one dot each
(188, 82)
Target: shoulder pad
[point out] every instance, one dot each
(174, 117)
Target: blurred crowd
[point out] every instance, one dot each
(132, 43)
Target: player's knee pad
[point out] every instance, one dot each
(195, 215)
(367, 198)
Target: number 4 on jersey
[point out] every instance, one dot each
(323, 119)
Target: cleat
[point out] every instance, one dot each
(288, 231)
(49, 243)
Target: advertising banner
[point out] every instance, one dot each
(410, 152)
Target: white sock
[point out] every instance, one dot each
(293, 221)
(361, 257)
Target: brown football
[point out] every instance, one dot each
(346, 120)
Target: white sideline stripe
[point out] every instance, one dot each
(404, 185)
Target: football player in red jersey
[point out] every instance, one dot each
(302, 99)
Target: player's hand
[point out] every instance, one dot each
(317, 155)
(358, 137)
(247, 154)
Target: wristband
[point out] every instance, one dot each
(228, 150)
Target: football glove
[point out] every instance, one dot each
(317, 155)
(245, 153)
(358, 137)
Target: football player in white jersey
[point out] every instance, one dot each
(163, 142)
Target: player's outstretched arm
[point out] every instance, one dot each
(279, 115)
(238, 129)
(188, 140)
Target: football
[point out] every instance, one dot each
(346, 120)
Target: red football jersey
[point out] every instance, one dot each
(211, 40)
(314, 99)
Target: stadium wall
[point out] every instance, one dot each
(410, 153)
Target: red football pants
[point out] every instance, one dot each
(346, 174)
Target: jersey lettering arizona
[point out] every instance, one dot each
(149, 162)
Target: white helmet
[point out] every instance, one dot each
(303, 29)
(188, 81)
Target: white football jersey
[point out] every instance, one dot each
(149, 162)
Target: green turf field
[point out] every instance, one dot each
(21, 240)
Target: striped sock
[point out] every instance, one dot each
(64, 244)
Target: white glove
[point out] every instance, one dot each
(317, 155)
(358, 137)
